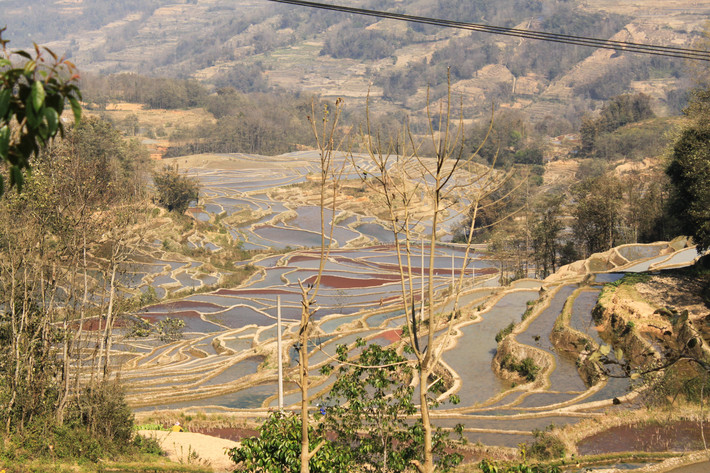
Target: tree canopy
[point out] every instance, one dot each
(689, 171)
(33, 90)
(174, 190)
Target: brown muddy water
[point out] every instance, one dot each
(679, 436)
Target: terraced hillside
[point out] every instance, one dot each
(226, 361)
(229, 43)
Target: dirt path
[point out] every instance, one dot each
(196, 449)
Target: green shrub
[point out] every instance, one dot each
(149, 445)
(504, 332)
(525, 368)
(278, 448)
(529, 309)
(546, 445)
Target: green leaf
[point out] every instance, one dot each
(24, 54)
(16, 178)
(52, 120)
(76, 108)
(635, 376)
(38, 95)
(4, 141)
(30, 114)
(5, 96)
(30, 66)
(619, 354)
(605, 349)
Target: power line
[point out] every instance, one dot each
(640, 48)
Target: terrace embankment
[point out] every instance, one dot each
(623, 315)
(509, 362)
(575, 344)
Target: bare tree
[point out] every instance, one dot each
(403, 177)
(325, 132)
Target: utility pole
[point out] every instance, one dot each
(279, 352)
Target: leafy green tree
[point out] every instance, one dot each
(174, 190)
(689, 171)
(545, 233)
(56, 262)
(368, 407)
(33, 90)
(507, 137)
(278, 449)
(619, 111)
(598, 213)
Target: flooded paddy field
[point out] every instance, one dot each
(227, 358)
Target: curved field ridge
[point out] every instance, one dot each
(227, 358)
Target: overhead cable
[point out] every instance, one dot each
(640, 48)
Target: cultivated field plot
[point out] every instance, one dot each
(227, 359)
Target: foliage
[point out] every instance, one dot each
(619, 111)
(504, 332)
(77, 207)
(634, 141)
(33, 91)
(175, 191)
(367, 410)
(545, 234)
(149, 445)
(152, 91)
(552, 59)
(254, 123)
(492, 467)
(630, 279)
(112, 168)
(170, 329)
(530, 306)
(546, 445)
(525, 367)
(351, 41)
(167, 330)
(689, 171)
(508, 141)
(97, 426)
(687, 381)
(278, 449)
(598, 213)
(103, 411)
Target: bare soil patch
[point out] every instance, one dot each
(676, 291)
(194, 448)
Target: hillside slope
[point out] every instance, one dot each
(299, 49)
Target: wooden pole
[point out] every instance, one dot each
(421, 310)
(279, 352)
(453, 279)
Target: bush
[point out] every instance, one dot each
(525, 368)
(278, 448)
(103, 411)
(149, 445)
(175, 192)
(504, 332)
(546, 445)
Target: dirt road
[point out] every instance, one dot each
(196, 449)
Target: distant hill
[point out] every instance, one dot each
(258, 45)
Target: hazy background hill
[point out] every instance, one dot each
(255, 45)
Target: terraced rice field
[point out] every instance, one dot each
(227, 358)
